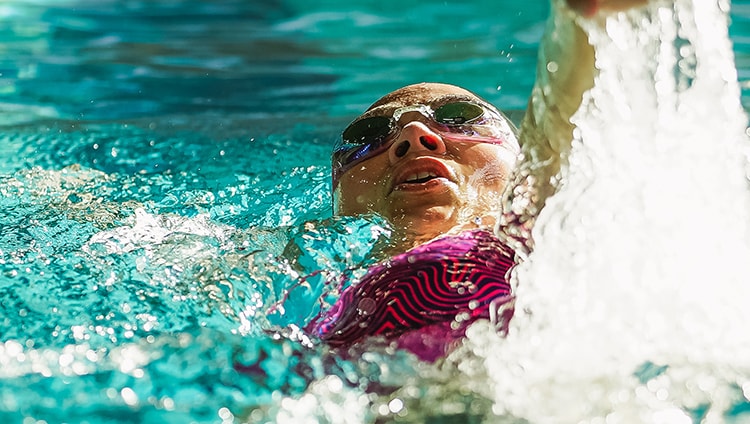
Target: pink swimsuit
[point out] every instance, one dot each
(425, 298)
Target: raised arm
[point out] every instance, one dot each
(565, 71)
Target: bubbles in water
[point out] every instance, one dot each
(631, 307)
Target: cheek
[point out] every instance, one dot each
(360, 190)
(490, 167)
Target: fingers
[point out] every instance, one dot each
(590, 7)
(584, 7)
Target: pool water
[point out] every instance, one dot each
(165, 209)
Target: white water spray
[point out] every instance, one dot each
(633, 305)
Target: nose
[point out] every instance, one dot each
(415, 137)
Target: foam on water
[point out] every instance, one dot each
(131, 293)
(113, 309)
(631, 308)
(633, 305)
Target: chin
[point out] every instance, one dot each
(428, 222)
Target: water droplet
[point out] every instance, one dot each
(396, 405)
(366, 306)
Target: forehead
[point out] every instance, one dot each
(426, 93)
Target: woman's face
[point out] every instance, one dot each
(426, 181)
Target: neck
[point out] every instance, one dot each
(409, 237)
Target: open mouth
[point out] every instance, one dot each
(422, 174)
(419, 178)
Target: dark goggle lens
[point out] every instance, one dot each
(458, 113)
(370, 130)
(361, 139)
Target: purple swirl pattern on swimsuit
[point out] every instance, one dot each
(430, 284)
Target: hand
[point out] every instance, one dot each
(590, 7)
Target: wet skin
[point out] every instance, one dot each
(427, 182)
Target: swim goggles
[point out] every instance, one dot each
(456, 120)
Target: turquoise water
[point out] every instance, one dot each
(164, 182)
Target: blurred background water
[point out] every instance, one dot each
(164, 179)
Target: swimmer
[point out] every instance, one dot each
(430, 158)
(435, 161)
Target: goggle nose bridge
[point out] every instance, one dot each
(425, 110)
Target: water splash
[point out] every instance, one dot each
(631, 307)
(128, 294)
(111, 307)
